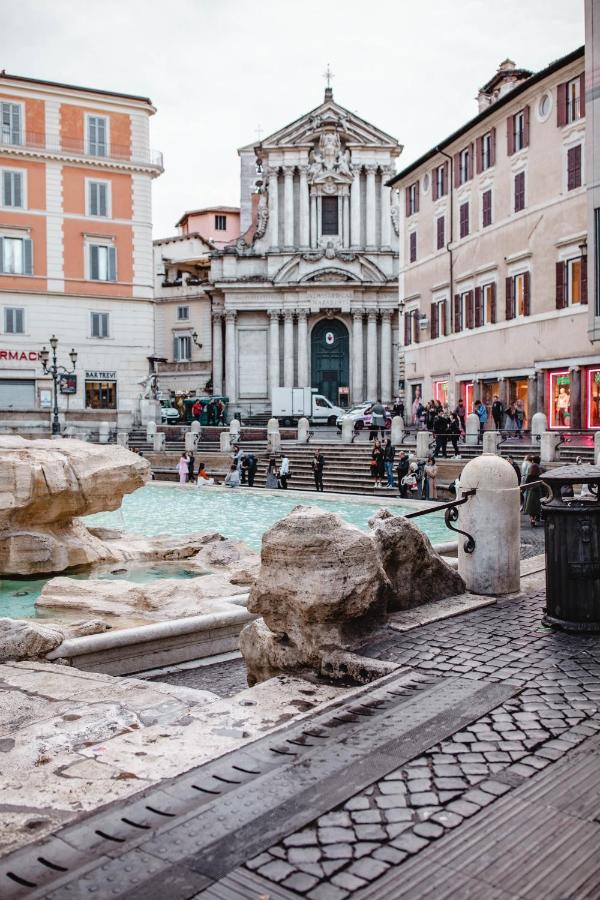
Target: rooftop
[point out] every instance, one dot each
(72, 87)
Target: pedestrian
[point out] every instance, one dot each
(191, 461)
(481, 413)
(284, 472)
(440, 431)
(183, 468)
(498, 412)
(220, 412)
(389, 454)
(318, 464)
(454, 431)
(402, 472)
(377, 463)
(203, 478)
(378, 422)
(516, 468)
(251, 467)
(232, 479)
(461, 412)
(511, 419)
(398, 408)
(411, 480)
(196, 410)
(533, 502)
(372, 426)
(430, 413)
(527, 463)
(519, 418)
(272, 480)
(430, 472)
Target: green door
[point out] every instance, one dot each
(330, 358)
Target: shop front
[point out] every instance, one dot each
(518, 389)
(18, 379)
(593, 397)
(559, 388)
(466, 395)
(100, 390)
(440, 391)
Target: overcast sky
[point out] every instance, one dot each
(217, 69)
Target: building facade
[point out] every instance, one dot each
(217, 224)
(493, 270)
(308, 294)
(75, 244)
(592, 160)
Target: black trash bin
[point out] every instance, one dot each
(572, 531)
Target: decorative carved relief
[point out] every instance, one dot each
(395, 217)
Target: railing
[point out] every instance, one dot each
(450, 516)
(54, 143)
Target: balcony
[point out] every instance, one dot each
(55, 144)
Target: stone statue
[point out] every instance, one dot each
(344, 167)
(149, 386)
(329, 144)
(329, 160)
(262, 215)
(395, 216)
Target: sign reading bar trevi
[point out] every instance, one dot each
(101, 376)
(20, 355)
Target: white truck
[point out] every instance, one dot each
(290, 404)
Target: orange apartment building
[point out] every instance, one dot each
(76, 170)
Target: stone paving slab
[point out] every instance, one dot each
(408, 619)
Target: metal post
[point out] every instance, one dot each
(55, 422)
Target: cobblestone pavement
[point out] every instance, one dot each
(225, 678)
(394, 819)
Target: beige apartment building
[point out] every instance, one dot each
(493, 253)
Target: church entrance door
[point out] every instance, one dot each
(330, 358)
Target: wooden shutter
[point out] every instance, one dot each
(17, 198)
(561, 105)
(471, 150)
(416, 196)
(407, 201)
(457, 170)
(94, 264)
(582, 94)
(493, 147)
(478, 307)
(574, 167)
(444, 323)
(510, 135)
(1, 254)
(434, 184)
(469, 305)
(479, 154)
(456, 323)
(526, 127)
(434, 320)
(112, 264)
(415, 317)
(560, 285)
(445, 178)
(406, 328)
(102, 199)
(493, 303)
(510, 304)
(27, 257)
(584, 287)
(526, 293)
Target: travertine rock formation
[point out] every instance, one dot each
(30, 639)
(321, 584)
(44, 486)
(417, 573)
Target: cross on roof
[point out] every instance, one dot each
(328, 75)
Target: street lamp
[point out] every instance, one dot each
(53, 371)
(195, 339)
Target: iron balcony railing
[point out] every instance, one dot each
(54, 143)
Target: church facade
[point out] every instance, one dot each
(308, 295)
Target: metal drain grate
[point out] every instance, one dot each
(176, 839)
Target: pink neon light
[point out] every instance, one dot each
(590, 385)
(552, 402)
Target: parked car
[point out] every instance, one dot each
(361, 417)
(169, 414)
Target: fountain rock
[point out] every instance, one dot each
(44, 486)
(24, 639)
(321, 585)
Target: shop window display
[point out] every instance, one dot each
(593, 398)
(560, 399)
(440, 392)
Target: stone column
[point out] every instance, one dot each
(273, 207)
(541, 391)
(288, 349)
(371, 226)
(273, 349)
(355, 209)
(217, 351)
(372, 355)
(303, 349)
(230, 361)
(503, 391)
(531, 398)
(346, 220)
(386, 219)
(313, 220)
(304, 208)
(288, 205)
(386, 355)
(575, 373)
(357, 356)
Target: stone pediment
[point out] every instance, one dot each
(330, 116)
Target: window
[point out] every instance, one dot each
(462, 311)
(574, 168)
(183, 313)
(518, 295)
(98, 198)
(412, 199)
(438, 319)
(221, 223)
(101, 394)
(571, 101)
(486, 150)
(183, 348)
(11, 129)
(463, 219)
(14, 320)
(440, 232)
(329, 215)
(517, 131)
(571, 282)
(412, 243)
(486, 208)
(97, 135)
(465, 165)
(484, 305)
(102, 262)
(439, 181)
(16, 256)
(99, 325)
(411, 327)
(12, 189)
(519, 191)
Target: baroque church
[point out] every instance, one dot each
(308, 295)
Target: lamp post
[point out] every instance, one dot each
(53, 370)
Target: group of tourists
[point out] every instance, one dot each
(189, 475)
(449, 425)
(416, 479)
(215, 412)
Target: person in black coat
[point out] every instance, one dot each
(440, 430)
(516, 468)
(402, 471)
(497, 412)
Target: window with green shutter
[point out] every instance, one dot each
(102, 262)
(14, 320)
(16, 256)
(98, 198)
(12, 189)
(11, 128)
